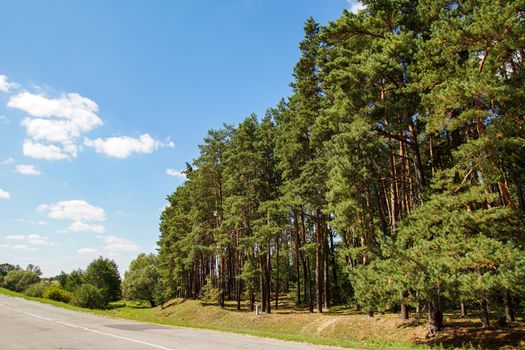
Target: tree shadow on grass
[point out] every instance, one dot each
(129, 304)
(470, 334)
(116, 305)
(412, 323)
(139, 306)
(173, 302)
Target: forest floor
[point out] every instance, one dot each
(340, 326)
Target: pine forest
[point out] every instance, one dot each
(392, 179)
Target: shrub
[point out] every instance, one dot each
(37, 289)
(54, 292)
(18, 280)
(90, 297)
(210, 293)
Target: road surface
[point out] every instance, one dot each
(27, 325)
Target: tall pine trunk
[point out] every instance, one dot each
(221, 281)
(404, 306)
(435, 316)
(463, 308)
(319, 268)
(507, 303)
(269, 281)
(326, 264)
(484, 309)
(418, 163)
(298, 257)
(307, 276)
(277, 273)
(335, 291)
(252, 300)
(263, 283)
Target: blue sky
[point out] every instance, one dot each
(102, 103)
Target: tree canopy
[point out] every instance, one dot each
(392, 177)
(141, 281)
(103, 274)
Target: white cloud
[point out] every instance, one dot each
(7, 161)
(33, 222)
(4, 120)
(123, 146)
(57, 121)
(54, 126)
(71, 106)
(18, 247)
(74, 210)
(116, 244)
(51, 130)
(356, 6)
(15, 237)
(176, 173)
(5, 85)
(27, 170)
(4, 194)
(79, 226)
(30, 239)
(87, 251)
(40, 151)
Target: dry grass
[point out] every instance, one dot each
(346, 325)
(343, 325)
(341, 328)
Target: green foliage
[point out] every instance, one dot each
(37, 289)
(18, 280)
(250, 275)
(373, 286)
(403, 138)
(103, 274)
(5, 268)
(34, 268)
(55, 292)
(210, 293)
(90, 297)
(70, 281)
(142, 280)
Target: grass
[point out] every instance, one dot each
(341, 327)
(190, 313)
(291, 327)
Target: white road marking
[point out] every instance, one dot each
(86, 329)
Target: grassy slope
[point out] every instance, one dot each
(326, 329)
(337, 328)
(340, 327)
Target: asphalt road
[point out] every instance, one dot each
(26, 325)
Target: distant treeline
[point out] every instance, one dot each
(96, 287)
(391, 179)
(93, 288)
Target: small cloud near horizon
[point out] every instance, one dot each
(27, 170)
